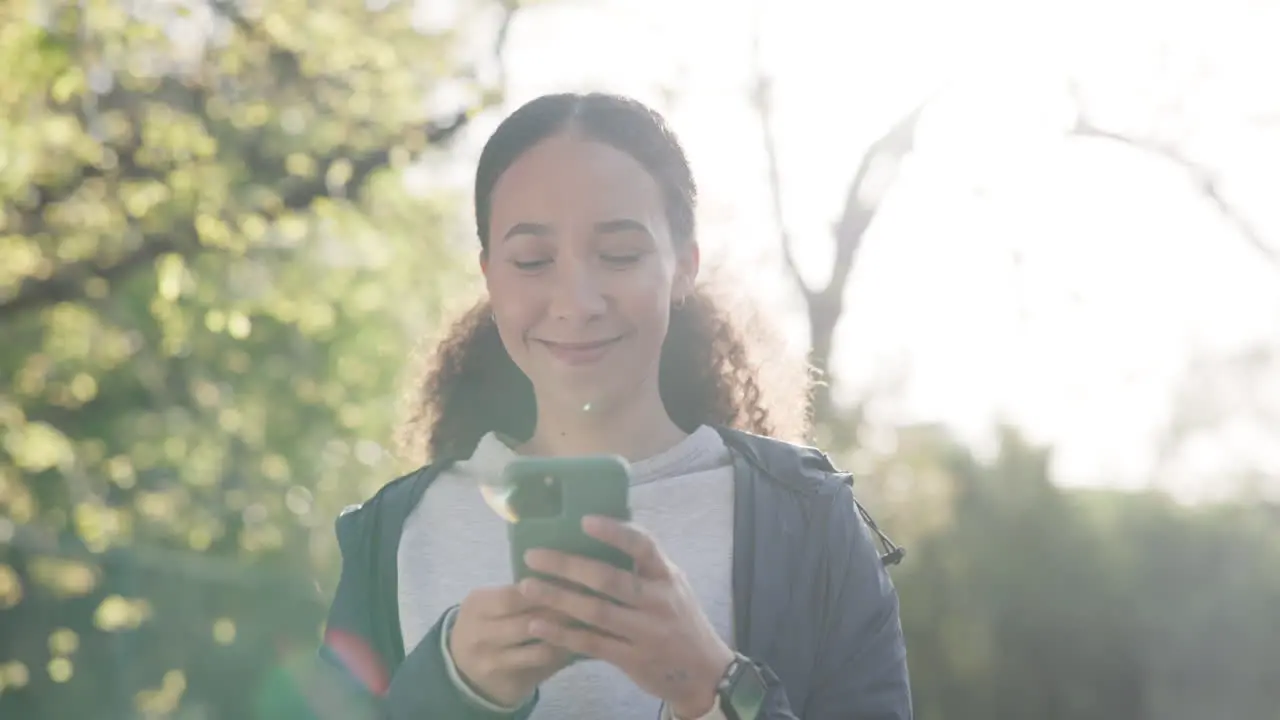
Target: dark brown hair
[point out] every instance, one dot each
(708, 373)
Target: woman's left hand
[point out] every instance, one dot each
(656, 633)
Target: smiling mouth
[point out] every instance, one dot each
(580, 353)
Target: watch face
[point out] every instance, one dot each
(746, 697)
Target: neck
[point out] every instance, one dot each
(636, 430)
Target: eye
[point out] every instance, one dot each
(622, 259)
(530, 265)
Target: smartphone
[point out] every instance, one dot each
(550, 496)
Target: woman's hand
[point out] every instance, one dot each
(492, 648)
(656, 632)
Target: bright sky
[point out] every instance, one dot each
(1013, 273)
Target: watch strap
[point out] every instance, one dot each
(741, 689)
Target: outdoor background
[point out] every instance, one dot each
(1035, 245)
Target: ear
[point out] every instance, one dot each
(687, 263)
(484, 264)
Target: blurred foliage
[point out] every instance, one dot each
(211, 273)
(1021, 599)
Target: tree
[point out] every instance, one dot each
(876, 172)
(1172, 132)
(210, 277)
(1037, 601)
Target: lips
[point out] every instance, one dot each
(579, 353)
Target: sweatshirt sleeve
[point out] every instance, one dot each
(355, 681)
(459, 683)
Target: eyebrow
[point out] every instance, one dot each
(607, 227)
(528, 228)
(621, 225)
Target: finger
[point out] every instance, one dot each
(582, 641)
(601, 613)
(513, 630)
(492, 603)
(529, 655)
(507, 632)
(630, 539)
(625, 587)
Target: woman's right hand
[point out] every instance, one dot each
(493, 650)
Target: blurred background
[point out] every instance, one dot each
(1035, 246)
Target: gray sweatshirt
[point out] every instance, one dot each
(452, 543)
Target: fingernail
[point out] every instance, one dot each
(529, 588)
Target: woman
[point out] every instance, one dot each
(758, 590)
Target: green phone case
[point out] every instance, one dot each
(591, 485)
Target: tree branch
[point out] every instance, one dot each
(877, 172)
(762, 99)
(69, 281)
(509, 8)
(1202, 177)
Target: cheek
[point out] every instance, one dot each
(515, 309)
(648, 305)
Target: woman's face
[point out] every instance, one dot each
(582, 271)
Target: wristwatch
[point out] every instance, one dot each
(741, 689)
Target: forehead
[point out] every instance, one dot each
(565, 174)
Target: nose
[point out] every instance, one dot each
(578, 294)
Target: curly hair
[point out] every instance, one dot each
(712, 369)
